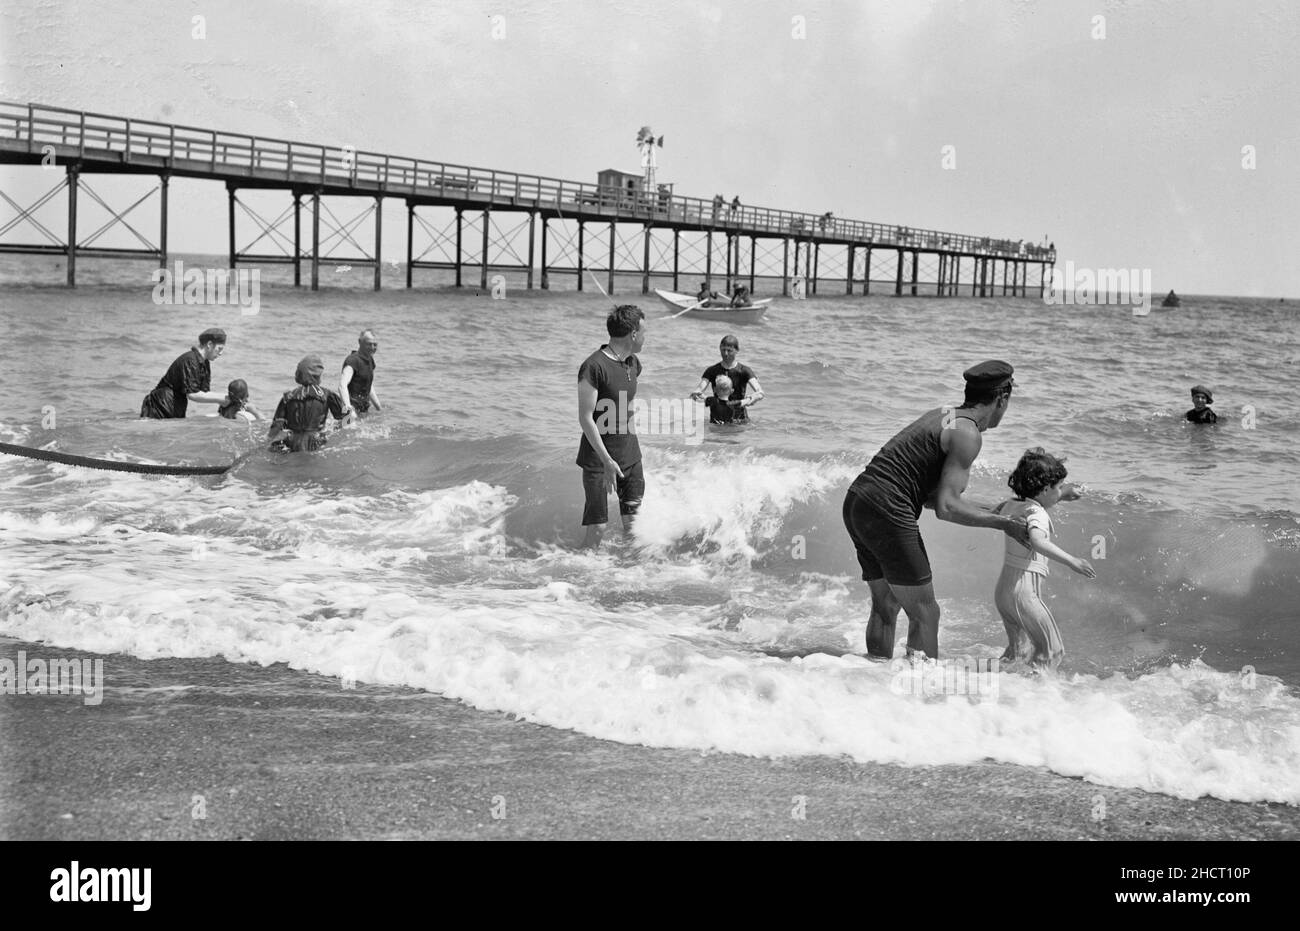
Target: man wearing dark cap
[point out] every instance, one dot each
(189, 378)
(300, 417)
(1200, 412)
(927, 464)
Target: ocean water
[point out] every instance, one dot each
(433, 546)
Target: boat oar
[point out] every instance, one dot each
(692, 307)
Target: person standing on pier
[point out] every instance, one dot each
(356, 383)
(187, 379)
(609, 452)
(927, 464)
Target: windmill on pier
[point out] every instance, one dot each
(647, 143)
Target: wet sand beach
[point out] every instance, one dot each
(278, 754)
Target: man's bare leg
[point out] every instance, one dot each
(595, 533)
(884, 615)
(922, 617)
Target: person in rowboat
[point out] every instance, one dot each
(704, 294)
(741, 297)
(742, 378)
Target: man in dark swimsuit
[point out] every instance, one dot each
(609, 452)
(189, 378)
(926, 464)
(356, 384)
(300, 417)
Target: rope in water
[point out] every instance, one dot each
(112, 465)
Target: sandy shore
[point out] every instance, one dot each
(276, 754)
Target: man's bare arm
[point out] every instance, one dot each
(587, 420)
(964, 446)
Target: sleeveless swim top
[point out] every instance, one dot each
(906, 471)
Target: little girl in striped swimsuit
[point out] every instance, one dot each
(1032, 634)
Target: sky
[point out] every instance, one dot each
(1160, 135)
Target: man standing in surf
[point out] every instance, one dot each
(356, 382)
(609, 452)
(927, 464)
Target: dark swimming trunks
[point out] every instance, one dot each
(631, 488)
(363, 376)
(303, 412)
(886, 549)
(615, 384)
(190, 373)
(891, 491)
(1205, 415)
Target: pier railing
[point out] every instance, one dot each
(150, 144)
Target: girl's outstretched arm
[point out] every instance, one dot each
(1039, 543)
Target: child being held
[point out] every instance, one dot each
(1032, 634)
(722, 409)
(237, 405)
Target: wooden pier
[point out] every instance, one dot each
(679, 237)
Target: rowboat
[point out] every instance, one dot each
(678, 302)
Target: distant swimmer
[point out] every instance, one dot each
(1201, 401)
(357, 382)
(742, 378)
(927, 464)
(189, 378)
(1032, 634)
(722, 409)
(301, 415)
(237, 405)
(609, 452)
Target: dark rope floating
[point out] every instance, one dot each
(112, 465)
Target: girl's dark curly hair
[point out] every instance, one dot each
(1036, 470)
